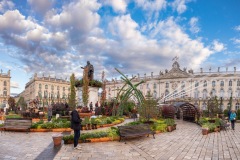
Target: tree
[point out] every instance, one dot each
(22, 104)
(12, 104)
(213, 106)
(72, 98)
(149, 107)
(85, 91)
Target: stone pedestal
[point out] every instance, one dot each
(93, 96)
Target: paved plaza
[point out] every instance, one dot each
(187, 142)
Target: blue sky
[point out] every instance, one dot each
(56, 38)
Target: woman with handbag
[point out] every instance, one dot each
(233, 119)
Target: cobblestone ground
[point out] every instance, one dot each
(186, 142)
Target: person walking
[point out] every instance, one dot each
(233, 119)
(91, 107)
(76, 125)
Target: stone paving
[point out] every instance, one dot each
(186, 142)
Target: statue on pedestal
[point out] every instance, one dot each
(90, 69)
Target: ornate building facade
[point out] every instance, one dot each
(179, 85)
(46, 90)
(4, 88)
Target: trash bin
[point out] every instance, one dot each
(57, 139)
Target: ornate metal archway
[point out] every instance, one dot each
(187, 111)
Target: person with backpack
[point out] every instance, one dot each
(76, 125)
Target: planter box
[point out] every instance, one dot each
(83, 115)
(52, 130)
(204, 131)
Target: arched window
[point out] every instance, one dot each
(213, 83)
(238, 83)
(196, 92)
(237, 106)
(205, 84)
(5, 83)
(204, 94)
(40, 86)
(222, 83)
(45, 94)
(222, 93)
(230, 83)
(167, 85)
(4, 92)
(52, 87)
(46, 86)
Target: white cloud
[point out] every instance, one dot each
(217, 46)
(14, 84)
(194, 25)
(180, 5)
(153, 5)
(117, 5)
(78, 17)
(5, 5)
(41, 6)
(237, 28)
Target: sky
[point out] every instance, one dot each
(57, 38)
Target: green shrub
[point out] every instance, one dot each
(169, 122)
(225, 112)
(203, 120)
(238, 114)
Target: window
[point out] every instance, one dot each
(196, 84)
(154, 86)
(230, 83)
(46, 86)
(57, 87)
(213, 83)
(155, 94)
(5, 93)
(238, 83)
(175, 94)
(167, 85)
(196, 94)
(52, 87)
(238, 93)
(45, 94)
(222, 93)
(205, 84)
(147, 86)
(222, 83)
(40, 86)
(229, 93)
(183, 85)
(5, 83)
(204, 94)
(213, 92)
(204, 106)
(183, 93)
(237, 106)
(63, 88)
(166, 92)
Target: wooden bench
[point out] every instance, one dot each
(135, 131)
(17, 124)
(224, 125)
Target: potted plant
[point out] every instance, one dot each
(170, 124)
(205, 129)
(57, 139)
(217, 124)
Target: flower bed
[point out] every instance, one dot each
(210, 125)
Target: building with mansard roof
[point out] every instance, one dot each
(4, 88)
(46, 90)
(179, 84)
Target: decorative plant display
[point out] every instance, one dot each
(56, 123)
(208, 127)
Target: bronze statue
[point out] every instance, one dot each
(90, 69)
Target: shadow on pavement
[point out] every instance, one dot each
(49, 153)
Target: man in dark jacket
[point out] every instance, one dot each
(76, 125)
